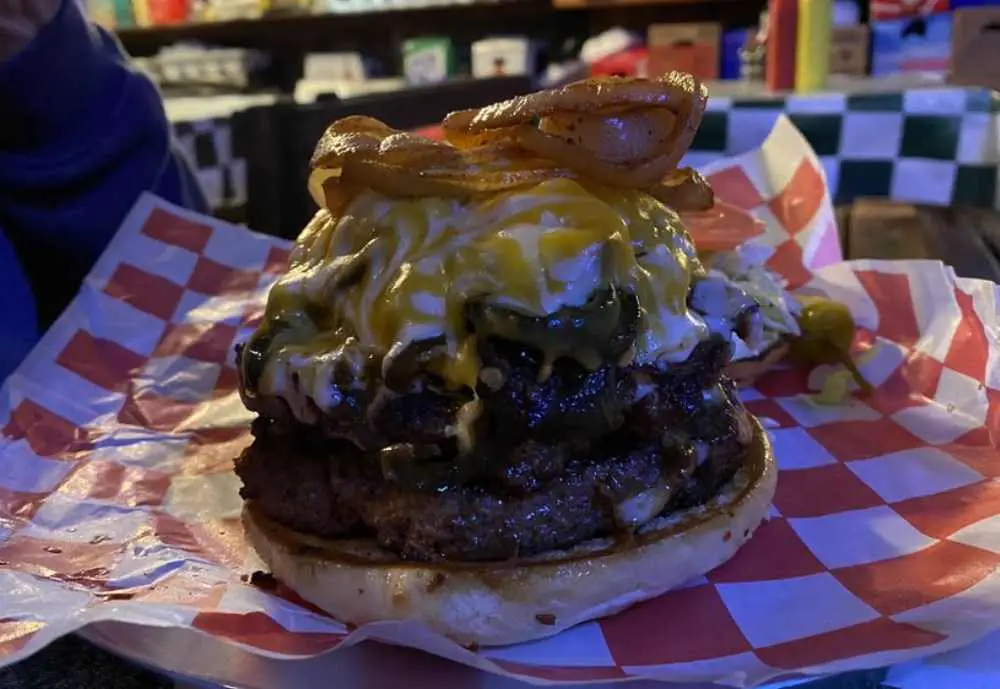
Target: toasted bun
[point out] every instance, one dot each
(503, 603)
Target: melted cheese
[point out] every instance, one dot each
(392, 271)
(745, 268)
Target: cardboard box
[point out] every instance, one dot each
(503, 56)
(625, 63)
(428, 60)
(879, 10)
(975, 59)
(849, 50)
(690, 48)
(345, 66)
(912, 46)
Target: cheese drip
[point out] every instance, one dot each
(393, 271)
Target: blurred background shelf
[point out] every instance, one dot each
(295, 28)
(248, 96)
(604, 4)
(379, 34)
(492, 18)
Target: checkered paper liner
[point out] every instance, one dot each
(910, 143)
(118, 502)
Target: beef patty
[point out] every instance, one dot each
(555, 459)
(543, 495)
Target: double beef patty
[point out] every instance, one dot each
(555, 459)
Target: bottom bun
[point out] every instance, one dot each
(495, 603)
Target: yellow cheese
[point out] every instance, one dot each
(392, 271)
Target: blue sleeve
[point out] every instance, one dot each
(18, 325)
(84, 135)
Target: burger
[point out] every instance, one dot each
(491, 388)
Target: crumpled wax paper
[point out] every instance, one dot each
(119, 509)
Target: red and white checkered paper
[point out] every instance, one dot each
(118, 502)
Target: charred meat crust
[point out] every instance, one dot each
(570, 407)
(468, 523)
(554, 458)
(550, 496)
(515, 494)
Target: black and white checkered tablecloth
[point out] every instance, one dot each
(209, 146)
(936, 146)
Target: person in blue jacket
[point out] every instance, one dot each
(82, 135)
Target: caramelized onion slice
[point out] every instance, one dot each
(397, 181)
(347, 136)
(632, 123)
(677, 92)
(625, 133)
(455, 127)
(684, 190)
(358, 137)
(584, 162)
(625, 138)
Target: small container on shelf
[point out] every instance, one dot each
(102, 13)
(124, 14)
(428, 60)
(140, 10)
(166, 12)
(214, 69)
(812, 47)
(733, 41)
(346, 66)
(849, 50)
(975, 59)
(690, 48)
(631, 62)
(615, 52)
(753, 53)
(224, 10)
(752, 60)
(912, 46)
(285, 7)
(782, 29)
(504, 56)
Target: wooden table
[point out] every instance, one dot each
(968, 239)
